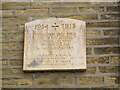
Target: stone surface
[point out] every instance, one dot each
(55, 44)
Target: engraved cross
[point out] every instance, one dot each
(55, 26)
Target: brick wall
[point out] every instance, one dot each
(102, 44)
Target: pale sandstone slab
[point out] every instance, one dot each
(55, 44)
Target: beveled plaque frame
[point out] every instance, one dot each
(42, 48)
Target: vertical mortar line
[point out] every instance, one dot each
(99, 16)
(61, 2)
(8, 60)
(31, 3)
(109, 59)
(97, 70)
(105, 9)
(119, 38)
(33, 80)
(77, 81)
(104, 82)
(14, 13)
(49, 11)
(77, 10)
(92, 51)
(26, 18)
(102, 33)
(60, 81)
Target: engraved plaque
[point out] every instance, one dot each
(55, 44)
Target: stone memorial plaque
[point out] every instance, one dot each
(55, 44)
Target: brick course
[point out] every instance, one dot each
(102, 44)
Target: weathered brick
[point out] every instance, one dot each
(91, 81)
(21, 27)
(7, 13)
(0, 5)
(68, 81)
(62, 10)
(111, 32)
(0, 83)
(14, 5)
(102, 3)
(112, 81)
(91, 9)
(84, 17)
(20, 45)
(93, 33)
(10, 81)
(113, 8)
(14, 37)
(108, 69)
(10, 28)
(32, 18)
(88, 51)
(24, 81)
(4, 62)
(10, 45)
(103, 41)
(74, 3)
(1, 36)
(45, 4)
(106, 50)
(14, 62)
(103, 24)
(98, 60)
(46, 81)
(13, 21)
(110, 16)
(10, 71)
(114, 59)
(90, 70)
(0, 71)
(32, 11)
(12, 54)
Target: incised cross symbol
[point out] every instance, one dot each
(55, 26)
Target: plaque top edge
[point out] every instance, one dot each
(48, 19)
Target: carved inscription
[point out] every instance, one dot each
(55, 44)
